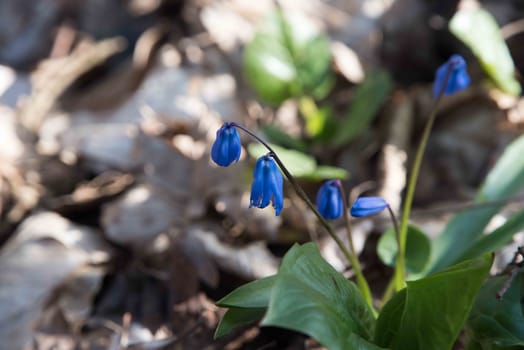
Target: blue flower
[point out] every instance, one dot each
(226, 148)
(458, 76)
(366, 206)
(329, 200)
(267, 185)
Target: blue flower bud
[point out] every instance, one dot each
(329, 200)
(226, 148)
(458, 76)
(267, 185)
(366, 206)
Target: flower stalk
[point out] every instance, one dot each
(451, 77)
(350, 256)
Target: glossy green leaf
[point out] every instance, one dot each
(299, 164)
(463, 230)
(418, 249)
(366, 103)
(287, 58)
(310, 296)
(495, 322)
(389, 319)
(246, 304)
(356, 342)
(478, 29)
(254, 294)
(236, 317)
(498, 238)
(433, 309)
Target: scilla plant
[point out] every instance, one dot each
(424, 311)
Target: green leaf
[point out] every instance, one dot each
(497, 322)
(480, 32)
(498, 238)
(418, 249)
(251, 295)
(277, 136)
(246, 304)
(236, 317)
(299, 164)
(433, 309)
(314, 117)
(462, 231)
(389, 319)
(355, 342)
(324, 172)
(310, 296)
(368, 99)
(288, 57)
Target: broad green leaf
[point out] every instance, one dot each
(462, 231)
(433, 309)
(251, 295)
(480, 32)
(418, 249)
(299, 164)
(368, 99)
(494, 322)
(236, 317)
(498, 238)
(389, 319)
(246, 304)
(287, 58)
(355, 342)
(310, 296)
(324, 172)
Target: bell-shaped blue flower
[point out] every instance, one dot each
(268, 185)
(329, 200)
(455, 68)
(366, 206)
(226, 148)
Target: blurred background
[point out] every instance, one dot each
(117, 232)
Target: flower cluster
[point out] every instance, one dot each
(268, 182)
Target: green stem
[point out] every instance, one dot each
(400, 272)
(298, 189)
(361, 280)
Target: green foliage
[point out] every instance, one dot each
(493, 323)
(429, 313)
(307, 295)
(418, 248)
(368, 99)
(465, 229)
(479, 31)
(498, 238)
(288, 58)
(236, 317)
(310, 296)
(299, 164)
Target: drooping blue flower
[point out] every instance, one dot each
(329, 200)
(267, 185)
(458, 76)
(226, 148)
(366, 206)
